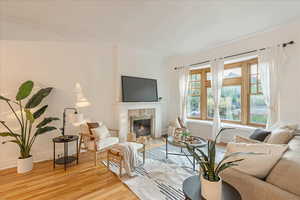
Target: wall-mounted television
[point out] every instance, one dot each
(135, 89)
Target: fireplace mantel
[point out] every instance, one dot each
(122, 116)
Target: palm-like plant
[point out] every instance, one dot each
(210, 169)
(26, 118)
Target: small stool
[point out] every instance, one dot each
(115, 156)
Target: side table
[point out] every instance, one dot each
(66, 159)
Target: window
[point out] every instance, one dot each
(241, 96)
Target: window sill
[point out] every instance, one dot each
(223, 124)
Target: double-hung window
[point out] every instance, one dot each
(241, 97)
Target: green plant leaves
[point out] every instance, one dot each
(46, 121)
(45, 129)
(13, 141)
(4, 98)
(24, 90)
(6, 134)
(37, 98)
(39, 112)
(29, 116)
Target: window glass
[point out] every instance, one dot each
(193, 106)
(230, 105)
(233, 72)
(258, 109)
(195, 77)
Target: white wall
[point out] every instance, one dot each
(60, 64)
(289, 73)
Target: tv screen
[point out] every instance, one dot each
(136, 89)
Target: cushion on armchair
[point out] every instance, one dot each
(101, 132)
(106, 142)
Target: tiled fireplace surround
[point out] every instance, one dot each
(126, 112)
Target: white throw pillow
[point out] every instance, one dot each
(258, 165)
(280, 136)
(101, 132)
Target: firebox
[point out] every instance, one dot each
(142, 127)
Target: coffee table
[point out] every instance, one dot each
(171, 140)
(192, 190)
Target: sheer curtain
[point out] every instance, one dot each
(183, 89)
(269, 61)
(217, 71)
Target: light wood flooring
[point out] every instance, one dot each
(82, 181)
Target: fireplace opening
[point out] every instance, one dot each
(142, 127)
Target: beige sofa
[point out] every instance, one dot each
(282, 183)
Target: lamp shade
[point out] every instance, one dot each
(77, 119)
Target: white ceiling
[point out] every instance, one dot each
(169, 26)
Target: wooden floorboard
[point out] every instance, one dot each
(82, 181)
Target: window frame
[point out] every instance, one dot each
(243, 81)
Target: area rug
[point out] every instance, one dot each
(160, 178)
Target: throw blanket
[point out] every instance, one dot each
(130, 156)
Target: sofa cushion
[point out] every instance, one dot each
(280, 136)
(241, 139)
(286, 173)
(260, 164)
(259, 134)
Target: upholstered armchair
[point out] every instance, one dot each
(97, 139)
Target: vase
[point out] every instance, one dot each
(24, 165)
(211, 190)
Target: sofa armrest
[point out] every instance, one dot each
(252, 188)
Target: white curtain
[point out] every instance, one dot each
(217, 70)
(183, 89)
(269, 61)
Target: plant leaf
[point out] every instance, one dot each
(4, 98)
(39, 112)
(44, 130)
(46, 121)
(6, 134)
(37, 98)
(14, 141)
(24, 90)
(29, 116)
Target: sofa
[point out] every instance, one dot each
(282, 182)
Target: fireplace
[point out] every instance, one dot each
(142, 127)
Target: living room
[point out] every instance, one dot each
(84, 50)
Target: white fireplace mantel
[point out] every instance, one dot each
(122, 116)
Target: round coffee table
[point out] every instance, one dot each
(172, 141)
(192, 190)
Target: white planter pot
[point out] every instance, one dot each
(211, 190)
(24, 165)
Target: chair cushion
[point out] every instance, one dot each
(106, 142)
(286, 173)
(136, 145)
(101, 132)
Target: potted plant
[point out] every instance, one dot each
(211, 182)
(26, 119)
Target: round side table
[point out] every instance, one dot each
(66, 159)
(192, 190)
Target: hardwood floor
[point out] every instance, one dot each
(82, 181)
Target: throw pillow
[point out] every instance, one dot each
(259, 135)
(260, 164)
(241, 139)
(280, 136)
(101, 132)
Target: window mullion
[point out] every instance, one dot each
(203, 96)
(245, 92)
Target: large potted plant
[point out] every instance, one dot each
(211, 182)
(27, 116)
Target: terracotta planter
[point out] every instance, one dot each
(24, 165)
(211, 190)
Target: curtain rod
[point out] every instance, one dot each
(234, 55)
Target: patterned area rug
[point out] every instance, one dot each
(160, 178)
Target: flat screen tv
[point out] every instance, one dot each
(136, 89)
